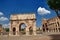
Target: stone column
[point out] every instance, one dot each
(53, 30)
(42, 29)
(48, 30)
(10, 33)
(10, 29)
(34, 28)
(45, 30)
(17, 29)
(58, 29)
(27, 31)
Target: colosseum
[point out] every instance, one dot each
(51, 25)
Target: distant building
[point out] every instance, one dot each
(1, 29)
(51, 25)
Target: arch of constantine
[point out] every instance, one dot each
(16, 20)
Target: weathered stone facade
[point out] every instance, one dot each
(16, 20)
(51, 25)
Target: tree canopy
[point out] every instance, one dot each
(54, 4)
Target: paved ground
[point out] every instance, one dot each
(24, 38)
(45, 36)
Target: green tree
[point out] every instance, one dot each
(55, 5)
(7, 29)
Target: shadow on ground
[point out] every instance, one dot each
(55, 36)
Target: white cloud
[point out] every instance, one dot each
(1, 13)
(43, 11)
(3, 18)
(6, 25)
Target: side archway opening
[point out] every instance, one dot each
(14, 31)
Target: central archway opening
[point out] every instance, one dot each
(22, 28)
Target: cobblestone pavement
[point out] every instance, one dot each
(45, 36)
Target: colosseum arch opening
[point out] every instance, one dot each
(17, 20)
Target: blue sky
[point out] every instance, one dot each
(8, 7)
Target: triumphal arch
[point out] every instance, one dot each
(16, 20)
